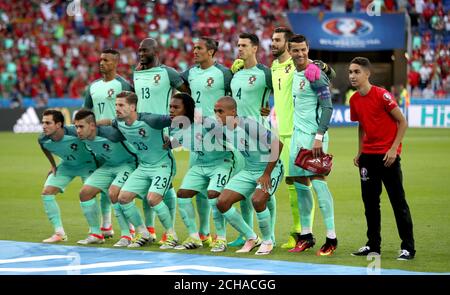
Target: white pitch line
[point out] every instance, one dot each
(73, 267)
(36, 258)
(173, 270)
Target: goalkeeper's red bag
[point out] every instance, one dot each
(320, 166)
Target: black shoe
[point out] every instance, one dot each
(405, 255)
(364, 251)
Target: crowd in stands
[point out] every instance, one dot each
(429, 63)
(45, 52)
(51, 50)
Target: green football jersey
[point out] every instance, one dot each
(208, 85)
(307, 110)
(70, 149)
(146, 136)
(101, 96)
(251, 89)
(203, 142)
(154, 87)
(109, 145)
(282, 76)
(252, 139)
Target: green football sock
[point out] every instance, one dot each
(219, 220)
(293, 201)
(164, 216)
(149, 214)
(305, 202)
(52, 210)
(265, 224)
(187, 213)
(105, 205)
(236, 220)
(325, 200)
(92, 214)
(131, 212)
(204, 213)
(170, 199)
(272, 206)
(122, 220)
(247, 211)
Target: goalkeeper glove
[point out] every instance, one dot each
(238, 64)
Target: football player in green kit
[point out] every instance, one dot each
(107, 143)
(154, 84)
(76, 160)
(251, 87)
(312, 114)
(211, 169)
(101, 99)
(259, 178)
(208, 81)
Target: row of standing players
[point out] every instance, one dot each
(218, 180)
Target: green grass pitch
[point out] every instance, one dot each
(23, 170)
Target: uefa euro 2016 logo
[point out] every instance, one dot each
(347, 27)
(364, 174)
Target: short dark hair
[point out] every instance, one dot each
(297, 39)
(188, 102)
(253, 38)
(57, 116)
(210, 43)
(129, 96)
(111, 51)
(286, 31)
(362, 61)
(85, 114)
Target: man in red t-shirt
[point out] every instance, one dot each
(380, 132)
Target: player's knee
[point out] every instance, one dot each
(113, 195)
(86, 194)
(181, 193)
(213, 194)
(259, 204)
(124, 198)
(223, 205)
(50, 190)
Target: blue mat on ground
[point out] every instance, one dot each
(43, 259)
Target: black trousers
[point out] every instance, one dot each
(373, 173)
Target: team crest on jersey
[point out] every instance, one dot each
(156, 78)
(302, 84)
(110, 93)
(287, 69)
(74, 147)
(251, 80)
(142, 132)
(210, 82)
(106, 147)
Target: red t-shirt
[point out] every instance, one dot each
(372, 111)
